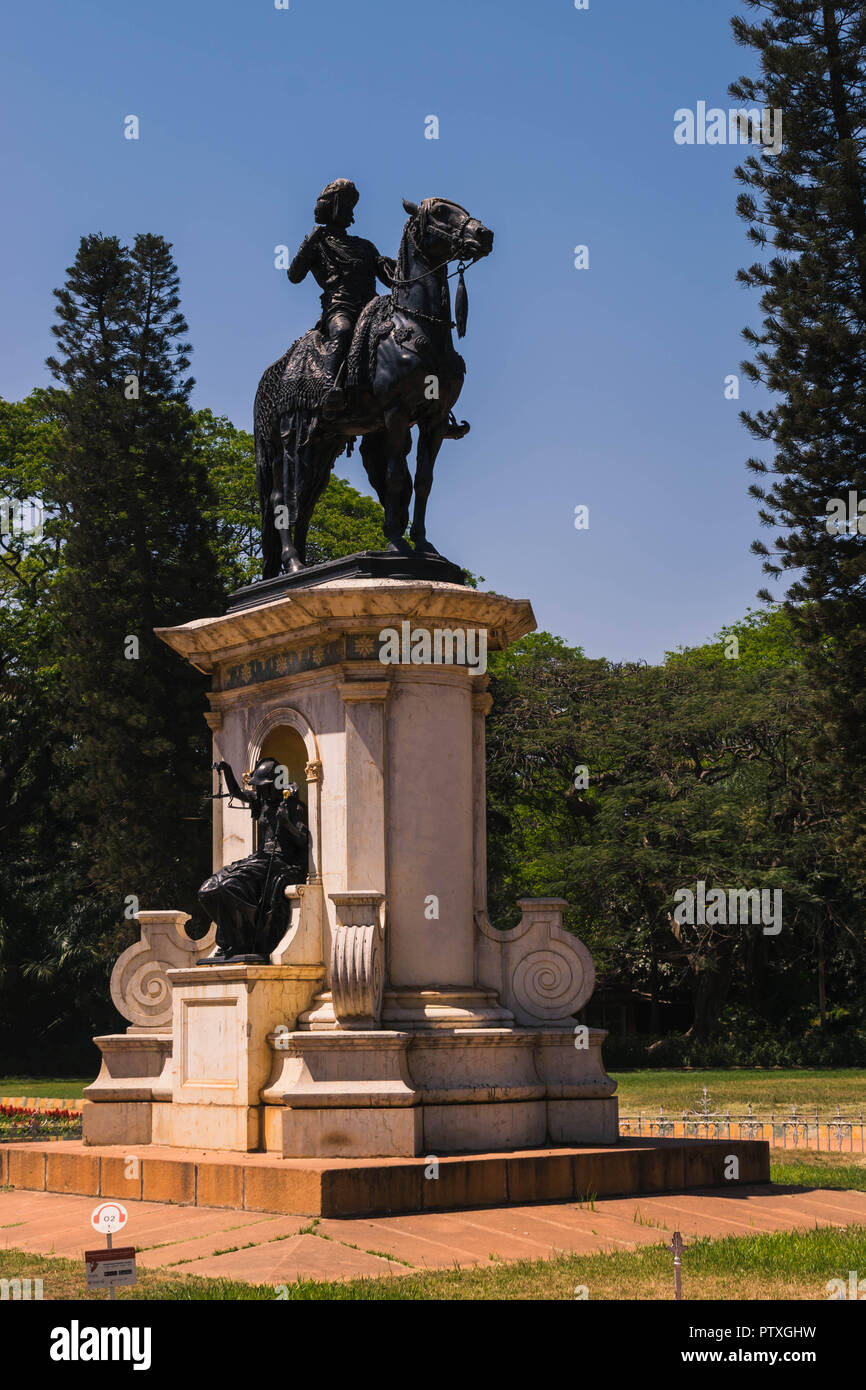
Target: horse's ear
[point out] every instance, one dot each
(411, 208)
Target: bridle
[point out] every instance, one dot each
(457, 255)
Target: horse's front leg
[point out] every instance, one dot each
(398, 481)
(289, 559)
(430, 437)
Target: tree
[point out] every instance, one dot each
(53, 925)
(138, 552)
(612, 786)
(755, 642)
(807, 201)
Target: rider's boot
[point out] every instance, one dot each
(335, 353)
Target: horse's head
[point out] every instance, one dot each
(443, 230)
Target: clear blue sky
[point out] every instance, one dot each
(602, 387)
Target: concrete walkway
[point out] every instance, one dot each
(258, 1248)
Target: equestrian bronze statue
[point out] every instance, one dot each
(374, 366)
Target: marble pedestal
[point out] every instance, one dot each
(392, 1019)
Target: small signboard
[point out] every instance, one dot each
(109, 1218)
(110, 1269)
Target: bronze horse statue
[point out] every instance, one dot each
(403, 370)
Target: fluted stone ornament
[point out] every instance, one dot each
(358, 959)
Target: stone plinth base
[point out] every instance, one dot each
(386, 1093)
(344, 1133)
(117, 1122)
(135, 1066)
(232, 1078)
(365, 564)
(359, 1132)
(205, 1126)
(365, 1187)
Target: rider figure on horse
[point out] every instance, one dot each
(346, 269)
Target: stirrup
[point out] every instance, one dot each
(335, 401)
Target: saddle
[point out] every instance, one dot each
(375, 321)
(297, 379)
(301, 370)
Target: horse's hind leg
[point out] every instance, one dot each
(318, 461)
(374, 460)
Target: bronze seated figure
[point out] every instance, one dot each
(246, 899)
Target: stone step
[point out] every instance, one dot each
(334, 1187)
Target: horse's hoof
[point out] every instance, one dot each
(425, 547)
(290, 562)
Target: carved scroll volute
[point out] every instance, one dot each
(139, 983)
(543, 973)
(358, 959)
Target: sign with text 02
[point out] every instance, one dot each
(109, 1218)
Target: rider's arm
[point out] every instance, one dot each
(303, 262)
(292, 816)
(236, 790)
(386, 269)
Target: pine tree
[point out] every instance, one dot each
(807, 202)
(138, 552)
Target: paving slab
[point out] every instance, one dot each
(300, 1257)
(563, 1229)
(465, 1242)
(60, 1224)
(180, 1252)
(840, 1205)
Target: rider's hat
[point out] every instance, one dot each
(265, 773)
(340, 193)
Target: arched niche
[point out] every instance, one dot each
(284, 734)
(286, 745)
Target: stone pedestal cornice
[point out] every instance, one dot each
(355, 606)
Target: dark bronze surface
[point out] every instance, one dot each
(372, 367)
(367, 564)
(246, 899)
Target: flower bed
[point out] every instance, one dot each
(20, 1123)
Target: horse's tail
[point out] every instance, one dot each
(265, 422)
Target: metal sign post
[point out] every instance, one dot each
(677, 1247)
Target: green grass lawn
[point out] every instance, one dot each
(812, 1169)
(66, 1088)
(643, 1090)
(766, 1090)
(774, 1265)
